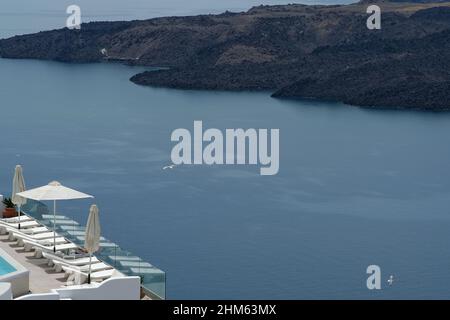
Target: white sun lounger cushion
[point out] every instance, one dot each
(79, 278)
(69, 260)
(19, 236)
(59, 265)
(39, 248)
(24, 225)
(16, 219)
(98, 266)
(35, 230)
(30, 244)
(14, 234)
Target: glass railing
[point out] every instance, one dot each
(153, 280)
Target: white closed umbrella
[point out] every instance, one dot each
(54, 191)
(92, 235)
(18, 186)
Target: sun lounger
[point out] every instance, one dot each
(35, 230)
(17, 235)
(65, 247)
(11, 231)
(40, 248)
(45, 242)
(95, 267)
(42, 236)
(23, 218)
(23, 225)
(77, 277)
(6, 227)
(29, 231)
(67, 260)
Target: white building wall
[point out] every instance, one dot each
(121, 288)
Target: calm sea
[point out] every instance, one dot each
(356, 187)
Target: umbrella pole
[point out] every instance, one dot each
(19, 216)
(54, 225)
(90, 262)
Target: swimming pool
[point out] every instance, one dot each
(5, 267)
(13, 272)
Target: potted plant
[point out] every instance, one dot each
(10, 208)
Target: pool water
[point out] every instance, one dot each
(5, 267)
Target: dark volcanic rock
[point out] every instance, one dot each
(64, 44)
(323, 52)
(416, 76)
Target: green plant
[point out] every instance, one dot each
(8, 203)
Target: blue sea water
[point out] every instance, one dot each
(356, 187)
